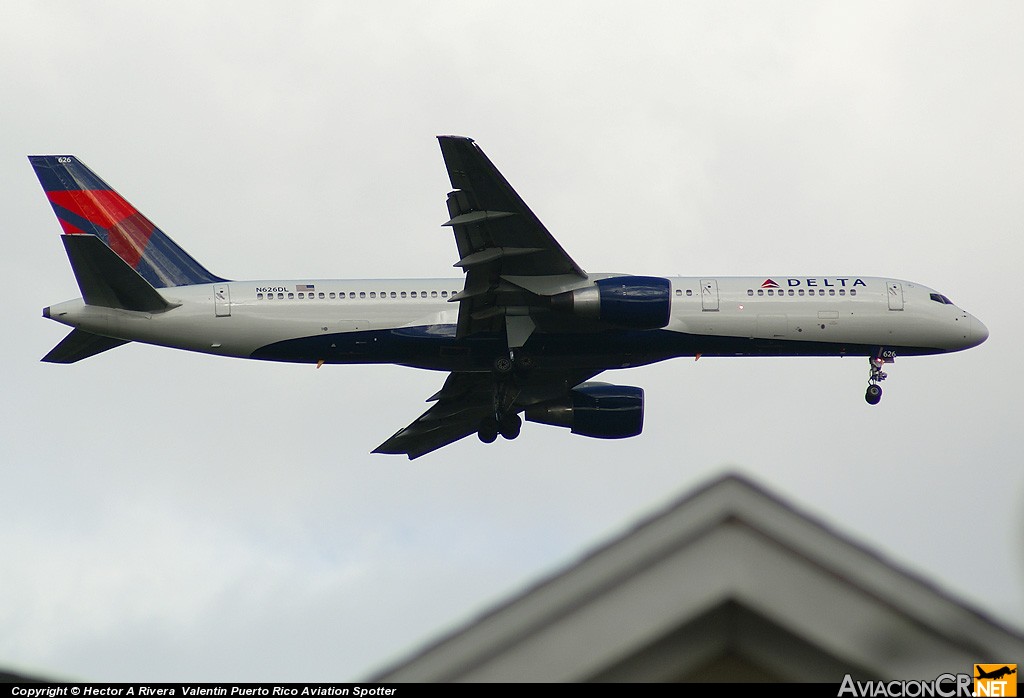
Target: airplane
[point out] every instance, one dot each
(524, 333)
(997, 673)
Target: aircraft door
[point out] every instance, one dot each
(222, 300)
(895, 294)
(708, 294)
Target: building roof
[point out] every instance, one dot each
(727, 583)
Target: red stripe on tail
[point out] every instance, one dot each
(128, 230)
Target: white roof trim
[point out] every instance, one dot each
(729, 543)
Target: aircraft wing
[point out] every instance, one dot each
(498, 237)
(467, 398)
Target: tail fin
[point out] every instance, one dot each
(85, 204)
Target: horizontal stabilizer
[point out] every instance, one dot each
(106, 280)
(80, 345)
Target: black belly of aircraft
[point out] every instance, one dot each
(435, 347)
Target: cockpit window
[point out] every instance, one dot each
(939, 298)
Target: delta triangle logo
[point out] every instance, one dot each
(768, 283)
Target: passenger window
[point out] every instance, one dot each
(291, 296)
(760, 291)
(842, 292)
(394, 295)
(444, 294)
(301, 296)
(679, 292)
(332, 295)
(362, 294)
(321, 294)
(259, 296)
(403, 294)
(373, 294)
(831, 292)
(750, 291)
(413, 294)
(689, 291)
(791, 292)
(280, 296)
(853, 292)
(800, 292)
(433, 294)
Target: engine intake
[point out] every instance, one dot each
(641, 302)
(598, 410)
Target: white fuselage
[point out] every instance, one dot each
(784, 315)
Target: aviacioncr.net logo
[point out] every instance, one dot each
(944, 686)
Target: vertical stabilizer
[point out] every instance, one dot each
(85, 204)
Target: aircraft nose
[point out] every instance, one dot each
(979, 333)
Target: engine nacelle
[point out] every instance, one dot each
(641, 302)
(599, 410)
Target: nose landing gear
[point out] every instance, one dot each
(874, 392)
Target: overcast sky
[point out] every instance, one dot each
(174, 516)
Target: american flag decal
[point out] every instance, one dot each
(305, 287)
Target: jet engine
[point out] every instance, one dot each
(598, 410)
(640, 302)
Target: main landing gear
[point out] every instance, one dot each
(874, 392)
(508, 425)
(504, 420)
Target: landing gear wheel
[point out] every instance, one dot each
(873, 394)
(510, 426)
(488, 431)
(503, 365)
